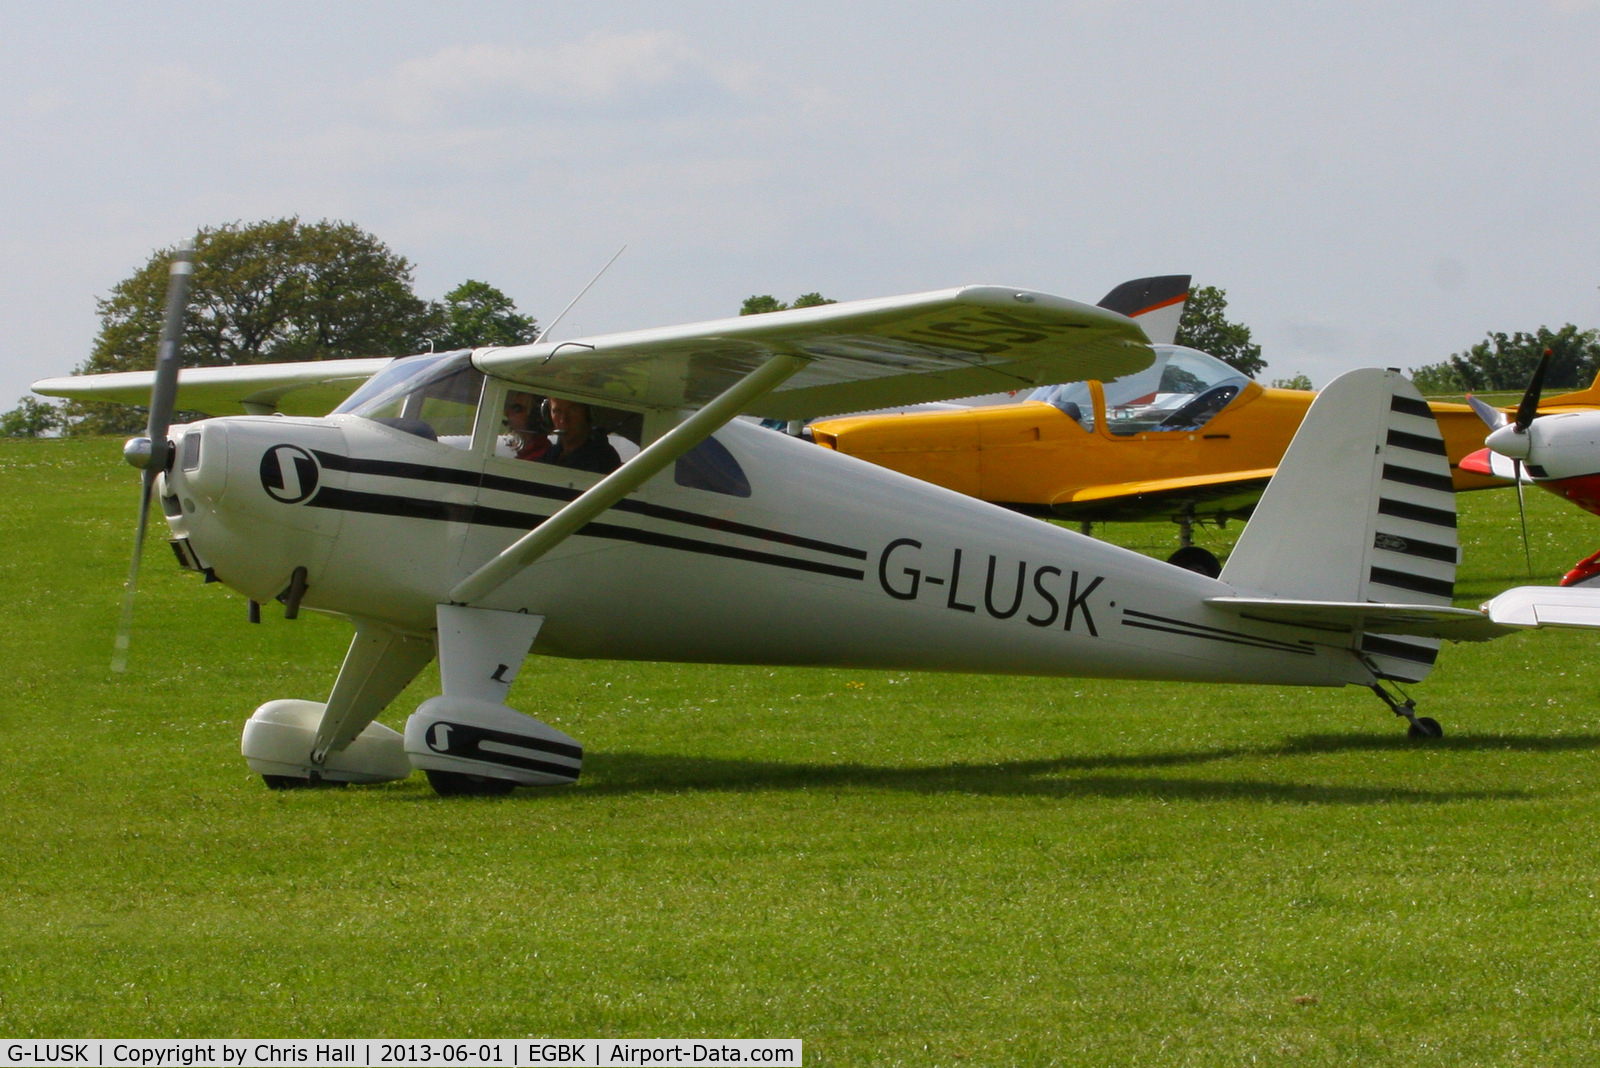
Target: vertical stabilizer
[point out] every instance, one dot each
(1361, 509)
(1155, 303)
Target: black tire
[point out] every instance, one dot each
(295, 782)
(1200, 561)
(1425, 727)
(285, 782)
(461, 784)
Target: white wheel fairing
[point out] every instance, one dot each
(278, 740)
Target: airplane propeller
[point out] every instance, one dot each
(1510, 438)
(151, 452)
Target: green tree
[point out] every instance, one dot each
(474, 314)
(31, 418)
(1204, 327)
(1299, 381)
(1507, 361)
(273, 291)
(766, 302)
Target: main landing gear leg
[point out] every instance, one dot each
(1421, 726)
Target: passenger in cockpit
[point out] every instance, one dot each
(524, 426)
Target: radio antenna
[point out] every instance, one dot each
(545, 332)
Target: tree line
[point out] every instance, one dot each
(283, 290)
(1503, 362)
(276, 291)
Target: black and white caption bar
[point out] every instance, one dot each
(381, 1053)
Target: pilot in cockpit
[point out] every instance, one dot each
(581, 444)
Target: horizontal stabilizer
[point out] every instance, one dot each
(1546, 606)
(1519, 608)
(1414, 620)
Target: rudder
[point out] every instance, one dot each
(1361, 509)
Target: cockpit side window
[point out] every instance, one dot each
(433, 396)
(1182, 390)
(710, 466)
(1073, 398)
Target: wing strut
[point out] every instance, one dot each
(627, 478)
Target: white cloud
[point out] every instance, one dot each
(600, 69)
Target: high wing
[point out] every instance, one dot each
(1234, 492)
(861, 354)
(308, 388)
(802, 363)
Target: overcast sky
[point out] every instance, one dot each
(1372, 183)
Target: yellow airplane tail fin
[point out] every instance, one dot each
(1361, 509)
(1581, 398)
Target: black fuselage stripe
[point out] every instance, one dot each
(1404, 580)
(1410, 476)
(1271, 648)
(1421, 513)
(1410, 406)
(1201, 626)
(529, 488)
(344, 500)
(1416, 442)
(443, 511)
(357, 465)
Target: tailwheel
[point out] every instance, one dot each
(461, 784)
(1420, 726)
(1425, 727)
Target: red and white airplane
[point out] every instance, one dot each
(1559, 452)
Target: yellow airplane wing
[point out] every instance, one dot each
(1163, 498)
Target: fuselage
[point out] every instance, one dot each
(765, 550)
(1033, 456)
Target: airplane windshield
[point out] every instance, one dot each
(1181, 390)
(434, 396)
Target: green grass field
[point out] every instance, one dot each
(898, 869)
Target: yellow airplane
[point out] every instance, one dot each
(1188, 439)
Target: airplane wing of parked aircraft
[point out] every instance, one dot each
(398, 513)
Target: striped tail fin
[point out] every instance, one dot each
(1360, 509)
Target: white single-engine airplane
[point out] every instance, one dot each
(722, 542)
